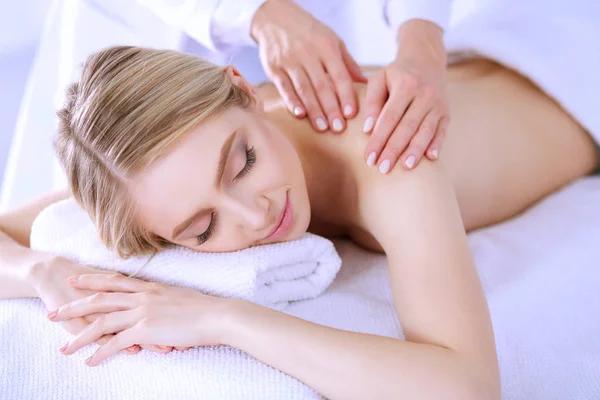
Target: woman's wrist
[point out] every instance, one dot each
(36, 271)
(231, 320)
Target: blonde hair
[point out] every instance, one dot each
(129, 105)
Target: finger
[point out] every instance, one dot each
(377, 94)
(306, 93)
(182, 348)
(288, 94)
(438, 140)
(355, 71)
(108, 283)
(343, 84)
(402, 134)
(119, 342)
(384, 130)
(325, 91)
(101, 302)
(158, 349)
(111, 323)
(420, 141)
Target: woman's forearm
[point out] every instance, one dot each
(17, 264)
(341, 364)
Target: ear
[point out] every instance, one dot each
(238, 80)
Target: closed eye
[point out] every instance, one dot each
(250, 160)
(202, 238)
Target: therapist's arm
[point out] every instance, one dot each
(406, 106)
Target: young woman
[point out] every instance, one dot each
(161, 147)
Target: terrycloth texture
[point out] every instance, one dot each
(540, 272)
(271, 275)
(556, 43)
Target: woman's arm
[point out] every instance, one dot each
(449, 352)
(17, 260)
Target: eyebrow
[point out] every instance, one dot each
(179, 229)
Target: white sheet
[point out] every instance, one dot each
(540, 272)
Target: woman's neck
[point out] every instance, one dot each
(330, 180)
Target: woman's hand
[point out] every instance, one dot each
(140, 312)
(308, 63)
(50, 283)
(406, 105)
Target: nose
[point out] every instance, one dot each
(253, 212)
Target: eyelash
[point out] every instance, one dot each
(202, 238)
(250, 160)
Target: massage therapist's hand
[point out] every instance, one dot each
(406, 107)
(141, 312)
(50, 282)
(308, 63)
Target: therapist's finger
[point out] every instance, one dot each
(288, 94)
(353, 68)
(342, 81)
(325, 91)
(377, 94)
(402, 131)
(306, 93)
(433, 152)
(420, 141)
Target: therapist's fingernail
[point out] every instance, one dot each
(337, 125)
(89, 361)
(434, 154)
(410, 162)
(368, 124)
(72, 279)
(52, 314)
(371, 159)
(384, 167)
(298, 111)
(321, 124)
(62, 349)
(348, 110)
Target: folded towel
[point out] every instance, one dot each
(270, 275)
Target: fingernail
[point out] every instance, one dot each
(162, 347)
(52, 314)
(348, 110)
(89, 361)
(321, 124)
(434, 153)
(337, 125)
(371, 159)
(298, 110)
(384, 167)
(72, 279)
(62, 349)
(410, 162)
(368, 124)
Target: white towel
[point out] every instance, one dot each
(270, 275)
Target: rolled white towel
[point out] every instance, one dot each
(270, 275)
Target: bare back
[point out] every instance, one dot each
(508, 144)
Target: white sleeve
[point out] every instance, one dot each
(216, 24)
(396, 12)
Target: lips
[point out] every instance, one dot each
(284, 222)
